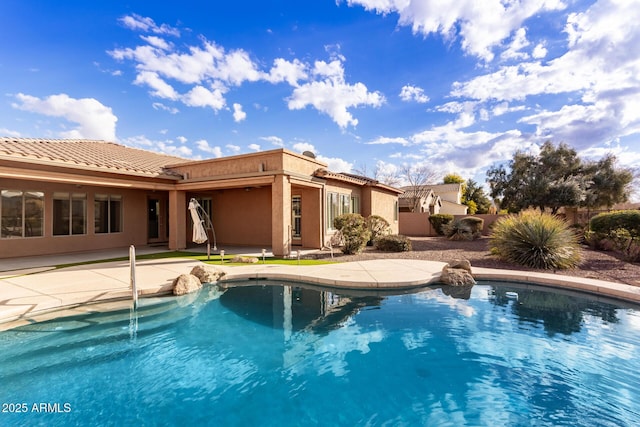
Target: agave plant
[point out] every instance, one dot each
(536, 240)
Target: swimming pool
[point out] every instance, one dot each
(274, 354)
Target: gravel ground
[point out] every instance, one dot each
(595, 264)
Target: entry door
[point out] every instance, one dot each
(157, 220)
(296, 219)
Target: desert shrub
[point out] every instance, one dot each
(438, 221)
(378, 227)
(607, 222)
(468, 228)
(354, 232)
(393, 243)
(535, 240)
(476, 224)
(616, 231)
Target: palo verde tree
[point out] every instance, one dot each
(557, 178)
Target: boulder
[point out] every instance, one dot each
(245, 259)
(186, 283)
(457, 273)
(464, 264)
(207, 273)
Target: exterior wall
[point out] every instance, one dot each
(453, 208)
(134, 227)
(250, 194)
(241, 217)
(312, 216)
(177, 214)
(281, 216)
(266, 162)
(418, 225)
(415, 224)
(384, 204)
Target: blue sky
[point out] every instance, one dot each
(365, 84)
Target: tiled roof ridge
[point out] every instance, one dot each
(110, 155)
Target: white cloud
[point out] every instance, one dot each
(301, 147)
(94, 120)
(161, 106)
(332, 95)
(481, 26)
(539, 51)
(166, 147)
(413, 93)
(504, 108)
(238, 114)
(322, 85)
(278, 142)
(594, 82)
(287, 71)
(514, 50)
(158, 42)
(139, 23)
(254, 147)
(203, 145)
(182, 139)
(7, 132)
(336, 164)
(233, 148)
(161, 89)
(202, 97)
(381, 140)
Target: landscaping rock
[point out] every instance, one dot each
(463, 264)
(186, 283)
(457, 273)
(207, 273)
(245, 259)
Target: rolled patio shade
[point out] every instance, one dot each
(199, 232)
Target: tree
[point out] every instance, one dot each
(556, 178)
(417, 178)
(474, 194)
(609, 185)
(453, 178)
(383, 172)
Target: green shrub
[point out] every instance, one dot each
(438, 221)
(393, 243)
(468, 228)
(607, 222)
(535, 240)
(354, 232)
(617, 231)
(378, 227)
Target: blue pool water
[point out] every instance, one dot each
(275, 355)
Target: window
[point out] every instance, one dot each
(296, 216)
(395, 210)
(69, 214)
(108, 213)
(345, 204)
(355, 204)
(332, 209)
(21, 214)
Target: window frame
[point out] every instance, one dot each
(26, 196)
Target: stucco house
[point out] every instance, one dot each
(60, 196)
(433, 199)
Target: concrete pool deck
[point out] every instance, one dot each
(32, 287)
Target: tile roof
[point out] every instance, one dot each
(88, 154)
(355, 179)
